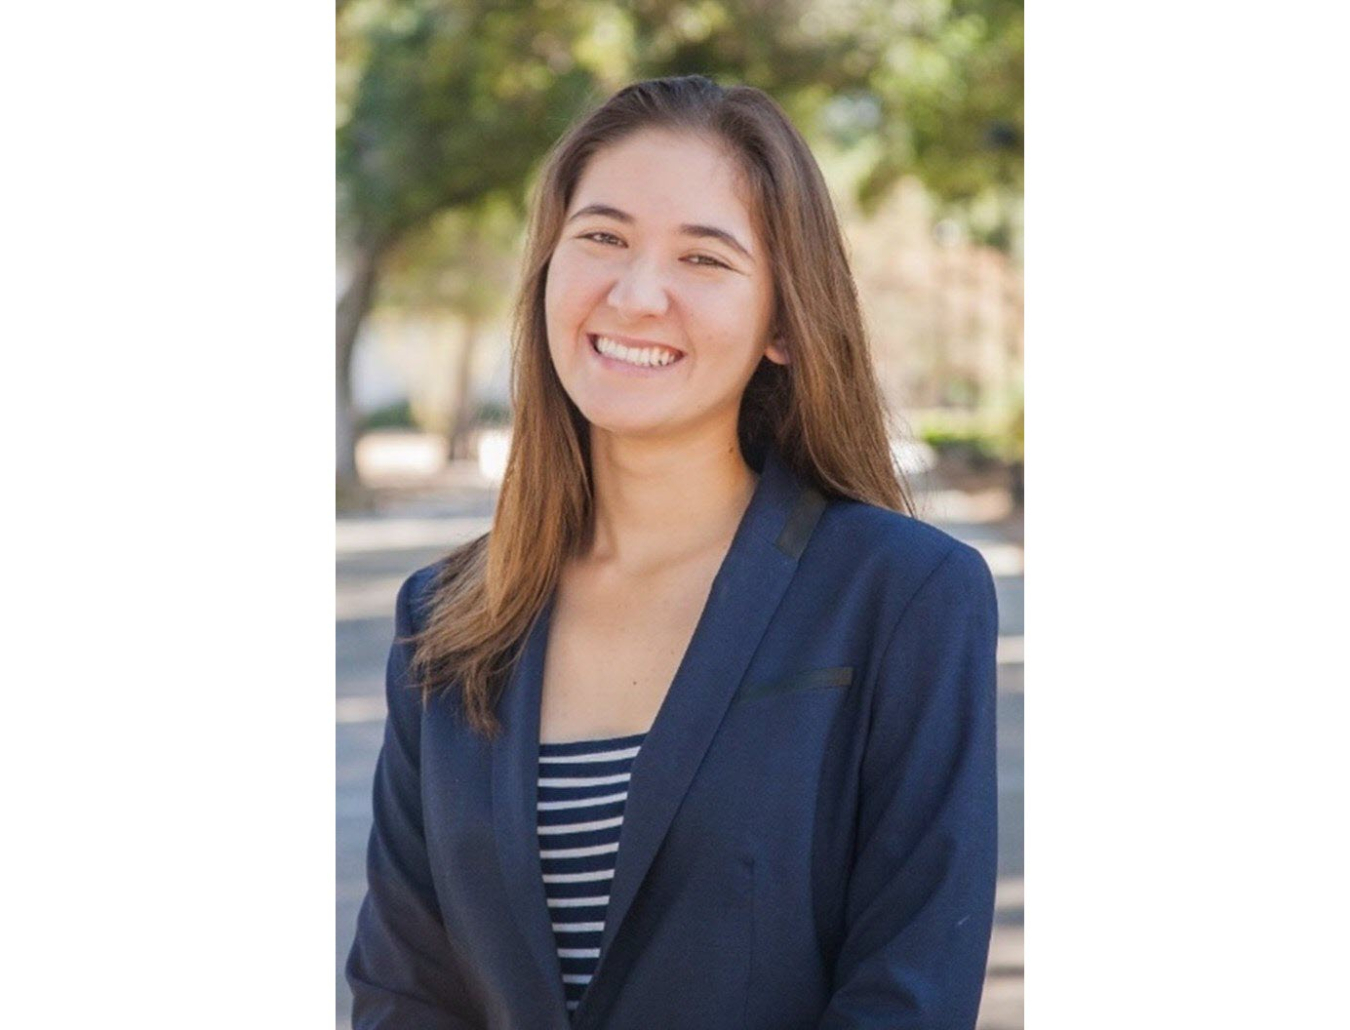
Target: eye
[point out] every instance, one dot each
(599, 236)
(707, 262)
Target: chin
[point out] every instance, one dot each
(616, 413)
(625, 420)
(633, 426)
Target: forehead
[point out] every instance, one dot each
(660, 177)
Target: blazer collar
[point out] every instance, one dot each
(745, 593)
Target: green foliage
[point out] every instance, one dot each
(454, 103)
(970, 446)
(950, 90)
(494, 414)
(447, 102)
(974, 437)
(1015, 435)
(398, 415)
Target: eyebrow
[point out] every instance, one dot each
(710, 232)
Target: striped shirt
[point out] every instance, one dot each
(583, 786)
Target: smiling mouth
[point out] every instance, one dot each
(644, 356)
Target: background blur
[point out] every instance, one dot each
(444, 111)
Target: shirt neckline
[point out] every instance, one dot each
(594, 743)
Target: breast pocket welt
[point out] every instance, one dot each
(834, 678)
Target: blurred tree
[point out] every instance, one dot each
(452, 106)
(951, 105)
(931, 88)
(449, 104)
(460, 263)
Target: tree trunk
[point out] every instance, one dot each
(464, 401)
(352, 308)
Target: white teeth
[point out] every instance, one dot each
(644, 356)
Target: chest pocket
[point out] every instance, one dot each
(811, 679)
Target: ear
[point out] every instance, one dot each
(777, 351)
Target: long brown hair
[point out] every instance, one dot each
(823, 411)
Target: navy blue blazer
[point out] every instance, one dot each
(809, 837)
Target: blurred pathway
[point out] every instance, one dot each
(375, 554)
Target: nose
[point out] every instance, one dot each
(639, 290)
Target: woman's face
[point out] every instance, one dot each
(659, 292)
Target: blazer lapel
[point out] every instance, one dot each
(515, 769)
(741, 603)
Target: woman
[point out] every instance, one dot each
(702, 733)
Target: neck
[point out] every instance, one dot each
(658, 502)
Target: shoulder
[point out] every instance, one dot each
(936, 622)
(412, 610)
(910, 556)
(418, 595)
(415, 598)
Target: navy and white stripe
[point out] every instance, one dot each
(583, 786)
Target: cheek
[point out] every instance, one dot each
(570, 288)
(553, 292)
(736, 318)
(561, 315)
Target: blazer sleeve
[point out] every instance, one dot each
(400, 969)
(920, 900)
